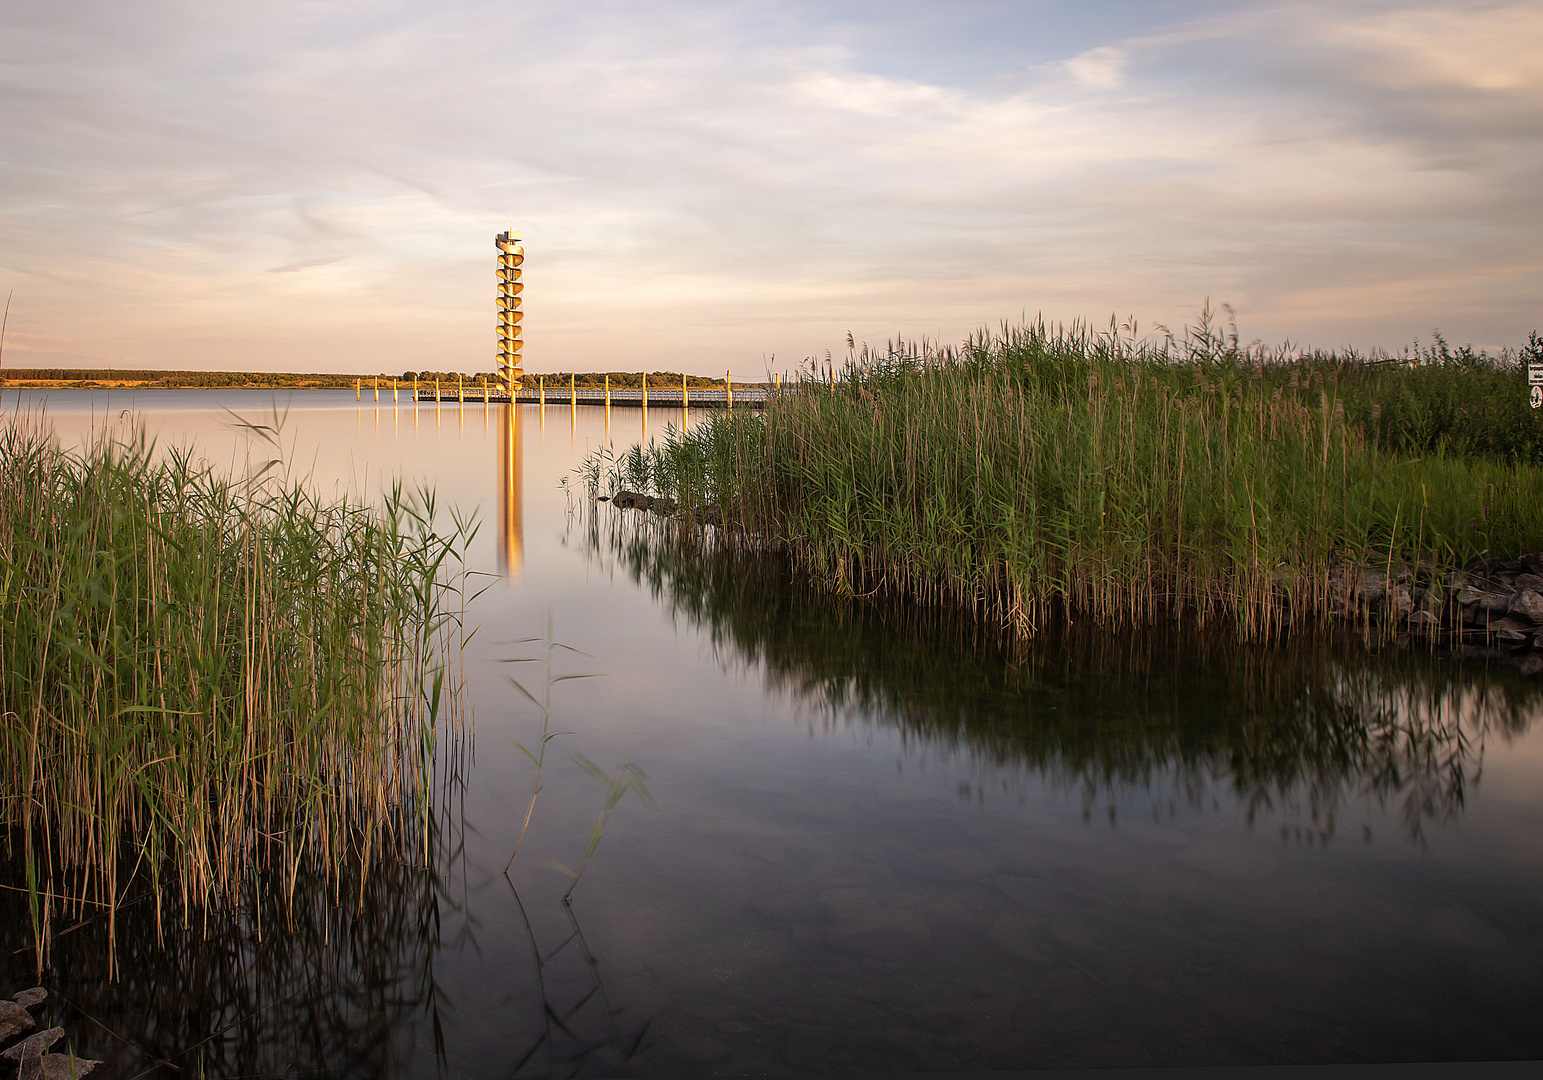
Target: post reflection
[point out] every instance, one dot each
(511, 494)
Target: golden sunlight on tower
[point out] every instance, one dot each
(510, 256)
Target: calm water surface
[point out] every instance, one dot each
(880, 841)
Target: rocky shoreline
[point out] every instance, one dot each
(1490, 611)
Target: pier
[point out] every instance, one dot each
(660, 397)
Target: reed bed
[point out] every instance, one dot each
(1034, 474)
(208, 684)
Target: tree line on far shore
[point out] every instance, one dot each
(277, 379)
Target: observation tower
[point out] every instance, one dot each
(510, 345)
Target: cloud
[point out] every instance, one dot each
(708, 184)
(1102, 68)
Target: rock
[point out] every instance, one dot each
(1402, 601)
(1530, 665)
(1372, 586)
(1423, 620)
(14, 1020)
(1528, 604)
(28, 998)
(64, 1066)
(636, 500)
(1530, 581)
(1509, 630)
(1533, 563)
(1434, 602)
(33, 1045)
(1485, 600)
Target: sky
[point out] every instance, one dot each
(736, 186)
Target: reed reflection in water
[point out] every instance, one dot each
(1300, 725)
(346, 983)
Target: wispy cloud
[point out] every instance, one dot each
(708, 184)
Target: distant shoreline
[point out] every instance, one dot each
(101, 379)
(24, 379)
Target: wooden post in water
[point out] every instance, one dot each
(356, 390)
(415, 388)
(396, 391)
(573, 391)
(608, 392)
(377, 389)
(436, 390)
(685, 395)
(541, 382)
(728, 382)
(645, 397)
(460, 389)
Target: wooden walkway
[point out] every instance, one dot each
(658, 397)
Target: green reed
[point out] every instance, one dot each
(1030, 473)
(206, 681)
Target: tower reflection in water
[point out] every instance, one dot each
(511, 494)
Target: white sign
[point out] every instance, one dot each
(1535, 374)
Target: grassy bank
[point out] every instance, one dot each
(209, 683)
(1030, 474)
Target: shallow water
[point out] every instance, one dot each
(882, 842)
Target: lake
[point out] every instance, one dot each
(877, 838)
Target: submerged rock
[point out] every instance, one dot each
(57, 1067)
(33, 1046)
(636, 500)
(1509, 630)
(14, 1020)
